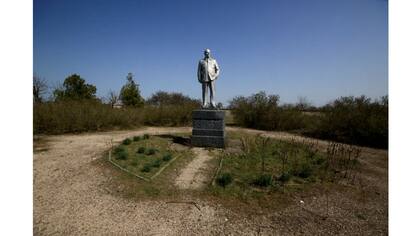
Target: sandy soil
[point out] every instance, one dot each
(70, 198)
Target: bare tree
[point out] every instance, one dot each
(40, 88)
(112, 98)
(303, 103)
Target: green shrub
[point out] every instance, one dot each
(224, 179)
(141, 150)
(150, 151)
(70, 116)
(260, 111)
(303, 170)
(156, 163)
(146, 136)
(284, 177)
(170, 109)
(354, 120)
(127, 141)
(167, 157)
(319, 160)
(263, 180)
(122, 155)
(136, 138)
(146, 168)
(119, 149)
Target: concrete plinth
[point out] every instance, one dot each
(208, 128)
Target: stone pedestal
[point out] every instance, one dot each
(208, 128)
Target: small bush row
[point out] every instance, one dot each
(352, 120)
(73, 116)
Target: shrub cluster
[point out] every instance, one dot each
(156, 163)
(167, 157)
(127, 141)
(224, 179)
(121, 153)
(150, 151)
(81, 116)
(70, 116)
(169, 115)
(260, 111)
(146, 168)
(263, 180)
(141, 150)
(353, 120)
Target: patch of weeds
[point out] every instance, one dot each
(127, 141)
(141, 150)
(167, 157)
(136, 138)
(151, 151)
(146, 168)
(224, 179)
(146, 136)
(156, 163)
(134, 162)
(319, 160)
(263, 180)
(312, 179)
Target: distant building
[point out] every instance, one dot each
(118, 104)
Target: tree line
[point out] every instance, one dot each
(74, 107)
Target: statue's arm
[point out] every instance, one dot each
(216, 68)
(199, 72)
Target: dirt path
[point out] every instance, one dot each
(194, 176)
(70, 198)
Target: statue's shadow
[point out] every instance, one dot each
(185, 141)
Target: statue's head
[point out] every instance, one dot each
(207, 53)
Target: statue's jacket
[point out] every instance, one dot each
(208, 70)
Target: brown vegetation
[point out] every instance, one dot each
(352, 120)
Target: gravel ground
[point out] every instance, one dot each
(70, 198)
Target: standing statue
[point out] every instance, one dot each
(207, 73)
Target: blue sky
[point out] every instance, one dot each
(320, 49)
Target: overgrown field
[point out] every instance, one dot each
(269, 166)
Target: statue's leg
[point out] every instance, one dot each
(212, 93)
(204, 94)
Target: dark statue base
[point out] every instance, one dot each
(208, 128)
